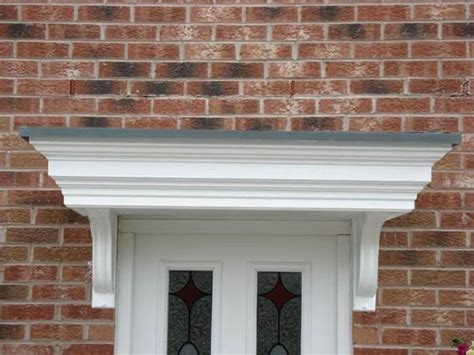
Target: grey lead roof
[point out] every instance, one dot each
(319, 136)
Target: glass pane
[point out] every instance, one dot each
(279, 313)
(189, 312)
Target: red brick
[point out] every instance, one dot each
(260, 124)
(409, 336)
(456, 298)
(209, 51)
(379, 351)
(58, 292)
(354, 31)
(104, 13)
(458, 30)
(157, 88)
(393, 239)
(42, 50)
(6, 49)
(47, 13)
(61, 332)
(437, 317)
(289, 106)
(413, 219)
(179, 106)
(13, 292)
(411, 68)
(181, 70)
(381, 50)
(16, 68)
(407, 257)
(8, 12)
(411, 31)
(124, 106)
(320, 87)
(82, 121)
(130, 33)
(76, 273)
(237, 70)
(67, 69)
(294, 69)
(440, 12)
(27, 312)
(160, 14)
(58, 216)
(430, 124)
(457, 258)
(271, 14)
(439, 200)
(15, 215)
(233, 106)
(190, 33)
(206, 123)
(25, 273)
(428, 86)
(447, 335)
(458, 68)
(77, 236)
(215, 14)
(74, 349)
(376, 124)
(403, 105)
(267, 88)
(324, 50)
(438, 278)
(213, 88)
(327, 13)
(352, 69)
(11, 331)
(101, 332)
(99, 50)
(454, 104)
(381, 316)
(383, 13)
(124, 69)
(62, 254)
(18, 105)
(408, 297)
(377, 87)
(438, 50)
(345, 106)
(316, 124)
(13, 254)
(365, 335)
(22, 31)
(151, 122)
(297, 32)
(85, 312)
(438, 239)
(32, 235)
(42, 87)
(392, 278)
(100, 87)
(452, 180)
(264, 51)
(6, 86)
(153, 51)
(68, 105)
(69, 31)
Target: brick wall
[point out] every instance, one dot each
(243, 65)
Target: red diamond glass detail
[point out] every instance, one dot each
(189, 293)
(279, 295)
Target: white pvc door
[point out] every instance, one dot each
(235, 252)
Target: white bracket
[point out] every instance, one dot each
(365, 238)
(103, 223)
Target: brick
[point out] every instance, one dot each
(68, 105)
(69, 31)
(77, 236)
(437, 317)
(438, 239)
(339, 106)
(81, 274)
(413, 219)
(456, 298)
(271, 14)
(130, 33)
(22, 31)
(450, 161)
(263, 51)
(160, 14)
(98, 50)
(411, 31)
(58, 292)
(289, 106)
(439, 200)
(411, 68)
(458, 30)
(433, 86)
(13, 253)
(237, 70)
(67, 69)
(213, 88)
(377, 87)
(365, 335)
(210, 51)
(15, 215)
(438, 50)
(28, 121)
(6, 49)
(6, 86)
(42, 87)
(62, 254)
(8, 12)
(179, 106)
(215, 14)
(25, 349)
(27, 312)
(469, 197)
(181, 70)
(101, 332)
(381, 316)
(452, 180)
(267, 88)
(458, 68)
(297, 32)
(381, 50)
(327, 13)
(316, 124)
(104, 13)
(61, 332)
(440, 12)
(157, 88)
(454, 104)
(294, 69)
(153, 51)
(85, 121)
(124, 69)
(379, 351)
(403, 105)
(124, 106)
(352, 69)
(42, 50)
(100, 87)
(430, 124)
(393, 239)
(27, 273)
(85, 312)
(407, 258)
(409, 336)
(206, 123)
(18, 105)
(392, 278)
(438, 278)
(354, 31)
(31, 234)
(233, 106)
(375, 124)
(457, 258)
(18, 68)
(12, 332)
(383, 13)
(13, 292)
(14, 143)
(189, 33)
(74, 349)
(47, 13)
(320, 87)
(151, 122)
(324, 50)
(408, 297)
(447, 335)
(260, 124)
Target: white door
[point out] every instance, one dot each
(233, 287)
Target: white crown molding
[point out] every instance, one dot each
(368, 181)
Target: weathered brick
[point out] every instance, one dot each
(409, 336)
(327, 13)
(69, 31)
(383, 13)
(206, 123)
(22, 31)
(62, 332)
(153, 51)
(271, 14)
(25, 273)
(62, 253)
(216, 14)
(11, 332)
(47, 13)
(179, 106)
(32, 235)
(27, 312)
(124, 69)
(58, 292)
(194, 33)
(13, 292)
(160, 14)
(104, 13)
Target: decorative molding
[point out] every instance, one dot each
(368, 182)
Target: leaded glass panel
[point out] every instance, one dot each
(189, 312)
